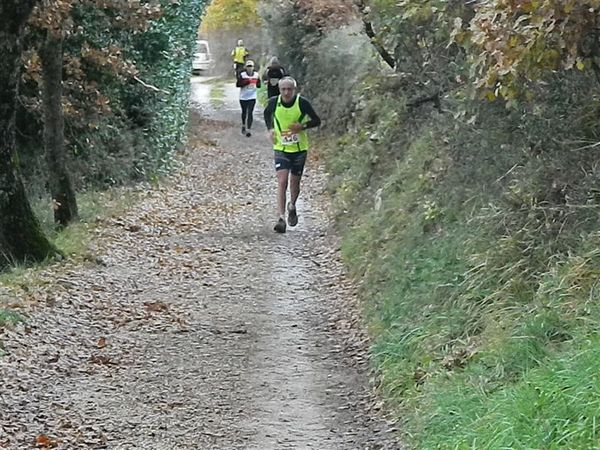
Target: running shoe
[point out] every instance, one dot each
(292, 216)
(280, 226)
(248, 134)
(243, 130)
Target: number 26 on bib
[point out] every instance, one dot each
(289, 138)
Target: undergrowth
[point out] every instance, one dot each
(73, 241)
(479, 256)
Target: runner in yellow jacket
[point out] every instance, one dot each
(239, 55)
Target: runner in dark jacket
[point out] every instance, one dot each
(272, 75)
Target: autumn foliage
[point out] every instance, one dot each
(85, 57)
(325, 15)
(506, 43)
(113, 50)
(223, 15)
(513, 41)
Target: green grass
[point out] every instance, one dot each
(553, 406)
(217, 94)
(485, 319)
(74, 240)
(8, 317)
(261, 95)
(93, 205)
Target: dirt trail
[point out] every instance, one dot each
(196, 326)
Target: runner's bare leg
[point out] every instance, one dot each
(294, 188)
(282, 182)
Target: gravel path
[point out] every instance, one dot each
(195, 326)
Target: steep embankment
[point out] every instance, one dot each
(473, 228)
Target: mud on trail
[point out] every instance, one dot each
(196, 326)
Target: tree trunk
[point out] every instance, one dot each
(21, 238)
(59, 182)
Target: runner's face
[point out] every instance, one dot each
(287, 92)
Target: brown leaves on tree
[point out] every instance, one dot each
(326, 14)
(134, 15)
(110, 59)
(513, 41)
(56, 16)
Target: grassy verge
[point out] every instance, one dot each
(217, 94)
(482, 300)
(9, 317)
(261, 95)
(73, 240)
(93, 205)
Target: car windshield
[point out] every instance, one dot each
(202, 47)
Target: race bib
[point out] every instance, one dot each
(289, 138)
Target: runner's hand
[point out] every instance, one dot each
(296, 127)
(271, 135)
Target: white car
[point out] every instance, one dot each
(202, 61)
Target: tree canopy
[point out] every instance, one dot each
(222, 15)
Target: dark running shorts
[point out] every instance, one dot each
(294, 162)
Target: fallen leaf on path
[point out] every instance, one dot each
(43, 441)
(101, 359)
(156, 306)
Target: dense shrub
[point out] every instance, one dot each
(117, 128)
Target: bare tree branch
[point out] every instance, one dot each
(387, 57)
(435, 99)
(149, 86)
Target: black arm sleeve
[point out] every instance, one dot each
(307, 110)
(269, 112)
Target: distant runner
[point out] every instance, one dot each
(287, 117)
(248, 82)
(272, 76)
(239, 55)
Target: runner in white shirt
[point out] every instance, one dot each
(248, 82)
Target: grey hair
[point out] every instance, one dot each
(274, 60)
(288, 80)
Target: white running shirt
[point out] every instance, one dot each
(248, 92)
